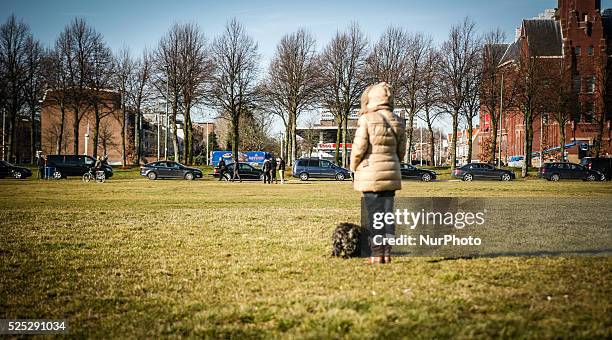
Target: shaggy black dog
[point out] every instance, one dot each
(346, 240)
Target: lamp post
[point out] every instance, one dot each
(3, 131)
(421, 145)
(87, 139)
(501, 112)
(207, 146)
(158, 134)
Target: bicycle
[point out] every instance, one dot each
(100, 176)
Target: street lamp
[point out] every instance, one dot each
(3, 131)
(87, 139)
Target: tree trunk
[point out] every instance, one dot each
(293, 139)
(285, 150)
(562, 138)
(409, 137)
(185, 136)
(96, 133)
(75, 132)
(188, 138)
(235, 139)
(453, 144)
(469, 138)
(599, 138)
(12, 142)
(32, 134)
(432, 145)
(175, 142)
(60, 137)
(493, 145)
(338, 138)
(344, 137)
(137, 138)
(526, 146)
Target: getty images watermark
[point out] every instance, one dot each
(488, 226)
(411, 219)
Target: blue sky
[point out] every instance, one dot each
(139, 24)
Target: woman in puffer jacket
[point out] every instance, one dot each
(378, 147)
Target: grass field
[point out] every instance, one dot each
(148, 259)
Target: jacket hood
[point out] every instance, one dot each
(379, 96)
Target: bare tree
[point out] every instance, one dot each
(168, 77)
(291, 85)
(430, 97)
(530, 78)
(471, 104)
(343, 79)
(33, 89)
(14, 36)
(124, 72)
(408, 96)
(490, 86)
(561, 99)
(76, 45)
(194, 69)
(389, 59)
(458, 55)
(603, 99)
(139, 92)
(100, 78)
(57, 80)
(235, 67)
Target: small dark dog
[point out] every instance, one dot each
(346, 240)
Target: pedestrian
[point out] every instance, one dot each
(378, 146)
(266, 170)
(221, 168)
(236, 172)
(40, 163)
(281, 169)
(273, 166)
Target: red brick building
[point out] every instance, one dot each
(578, 35)
(109, 135)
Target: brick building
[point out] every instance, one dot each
(109, 135)
(576, 34)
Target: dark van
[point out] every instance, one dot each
(306, 168)
(603, 165)
(73, 165)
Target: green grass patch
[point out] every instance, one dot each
(134, 258)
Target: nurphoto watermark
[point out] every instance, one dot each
(460, 227)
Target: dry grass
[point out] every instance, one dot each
(138, 258)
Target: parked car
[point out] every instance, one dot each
(306, 168)
(412, 172)
(245, 170)
(9, 170)
(74, 165)
(169, 169)
(473, 171)
(603, 165)
(564, 170)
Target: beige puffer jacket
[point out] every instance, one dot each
(379, 143)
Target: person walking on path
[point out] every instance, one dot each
(378, 147)
(266, 170)
(40, 163)
(221, 167)
(281, 170)
(236, 173)
(273, 166)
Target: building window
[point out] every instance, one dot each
(577, 50)
(590, 84)
(590, 50)
(576, 84)
(588, 112)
